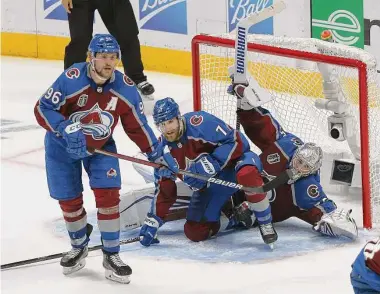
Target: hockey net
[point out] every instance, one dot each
(289, 69)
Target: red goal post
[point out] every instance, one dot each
(211, 55)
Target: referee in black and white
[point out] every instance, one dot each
(120, 21)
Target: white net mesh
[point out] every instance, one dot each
(295, 85)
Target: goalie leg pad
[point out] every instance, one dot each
(196, 231)
(107, 202)
(337, 224)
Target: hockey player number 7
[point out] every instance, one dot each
(219, 129)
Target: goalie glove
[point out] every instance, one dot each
(243, 216)
(248, 95)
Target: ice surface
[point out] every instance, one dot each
(32, 226)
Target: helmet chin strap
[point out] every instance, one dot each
(96, 72)
(181, 128)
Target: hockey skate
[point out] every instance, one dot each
(75, 259)
(337, 223)
(146, 89)
(269, 234)
(115, 269)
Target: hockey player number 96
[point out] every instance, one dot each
(55, 96)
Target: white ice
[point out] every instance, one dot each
(29, 218)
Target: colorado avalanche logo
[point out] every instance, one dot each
(312, 191)
(128, 81)
(112, 173)
(196, 120)
(73, 73)
(95, 122)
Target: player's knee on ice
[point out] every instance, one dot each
(196, 231)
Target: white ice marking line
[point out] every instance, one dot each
(23, 153)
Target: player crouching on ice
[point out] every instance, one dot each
(303, 197)
(81, 110)
(203, 144)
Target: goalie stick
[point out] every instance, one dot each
(240, 68)
(281, 179)
(240, 76)
(59, 255)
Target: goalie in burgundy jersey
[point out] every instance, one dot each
(365, 275)
(80, 110)
(303, 197)
(203, 144)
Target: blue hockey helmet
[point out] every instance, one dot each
(104, 43)
(165, 109)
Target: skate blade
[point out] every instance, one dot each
(271, 246)
(110, 275)
(69, 270)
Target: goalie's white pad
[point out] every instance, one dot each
(250, 96)
(337, 223)
(147, 172)
(135, 204)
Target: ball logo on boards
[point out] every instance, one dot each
(163, 15)
(239, 9)
(53, 9)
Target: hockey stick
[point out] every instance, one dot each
(281, 179)
(59, 255)
(242, 28)
(240, 68)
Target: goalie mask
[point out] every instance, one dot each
(306, 160)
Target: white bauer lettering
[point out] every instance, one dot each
(208, 167)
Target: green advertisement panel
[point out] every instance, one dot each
(344, 18)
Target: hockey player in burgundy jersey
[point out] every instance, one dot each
(365, 275)
(303, 197)
(80, 110)
(203, 144)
